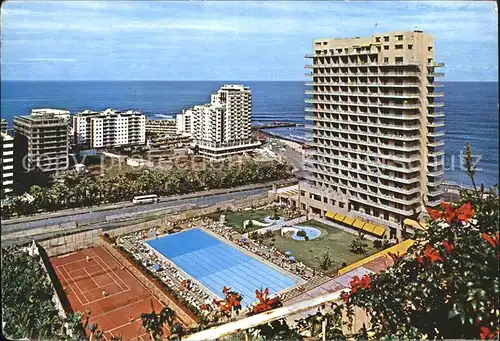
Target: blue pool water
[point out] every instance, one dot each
(311, 233)
(216, 264)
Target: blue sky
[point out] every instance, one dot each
(222, 40)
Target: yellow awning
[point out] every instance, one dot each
(358, 223)
(339, 217)
(365, 45)
(378, 230)
(369, 227)
(414, 224)
(330, 215)
(376, 43)
(349, 220)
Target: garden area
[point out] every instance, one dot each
(327, 252)
(235, 219)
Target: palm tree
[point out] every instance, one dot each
(153, 322)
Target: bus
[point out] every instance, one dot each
(145, 199)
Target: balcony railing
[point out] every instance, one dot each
(362, 94)
(360, 113)
(364, 104)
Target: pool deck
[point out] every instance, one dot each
(299, 280)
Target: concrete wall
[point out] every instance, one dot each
(70, 243)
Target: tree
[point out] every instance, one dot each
(327, 262)
(359, 245)
(27, 307)
(154, 322)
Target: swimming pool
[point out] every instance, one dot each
(216, 264)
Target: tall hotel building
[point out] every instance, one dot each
(222, 128)
(7, 162)
(377, 152)
(110, 128)
(41, 142)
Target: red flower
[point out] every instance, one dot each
(364, 283)
(344, 296)
(420, 259)
(449, 247)
(485, 333)
(432, 255)
(491, 241)
(461, 214)
(266, 303)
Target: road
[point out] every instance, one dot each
(94, 217)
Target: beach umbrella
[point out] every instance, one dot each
(156, 267)
(292, 258)
(288, 253)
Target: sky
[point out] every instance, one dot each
(224, 40)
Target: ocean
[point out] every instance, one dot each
(471, 109)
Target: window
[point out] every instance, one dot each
(332, 202)
(386, 38)
(317, 43)
(399, 47)
(429, 48)
(325, 200)
(410, 47)
(324, 43)
(341, 204)
(377, 39)
(429, 60)
(399, 60)
(386, 60)
(386, 47)
(399, 37)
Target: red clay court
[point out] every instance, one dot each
(85, 280)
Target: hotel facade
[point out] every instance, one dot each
(109, 128)
(377, 126)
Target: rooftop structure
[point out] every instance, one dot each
(109, 128)
(166, 127)
(377, 126)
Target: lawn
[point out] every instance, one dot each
(334, 241)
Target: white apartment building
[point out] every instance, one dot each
(165, 127)
(109, 128)
(184, 122)
(7, 162)
(222, 128)
(377, 125)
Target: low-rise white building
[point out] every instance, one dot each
(109, 128)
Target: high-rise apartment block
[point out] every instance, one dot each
(184, 122)
(109, 128)
(41, 142)
(7, 162)
(377, 127)
(222, 128)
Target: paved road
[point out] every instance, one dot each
(92, 217)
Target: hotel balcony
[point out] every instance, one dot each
(435, 74)
(366, 133)
(435, 183)
(363, 114)
(435, 94)
(435, 133)
(435, 114)
(372, 143)
(435, 124)
(366, 84)
(362, 152)
(435, 105)
(435, 144)
(364, 104)
(435, 64)
(435, 85)
(436, 173)
(434, 203)
(362, 94)
(403, 212)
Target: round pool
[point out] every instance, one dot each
(311, 232)
(270, 220)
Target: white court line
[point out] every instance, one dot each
(108, 296)
(80, 290)
(98, 286)
(108, 273)
(101, 287)
(68, 283)
(112, 271)
(76, 261)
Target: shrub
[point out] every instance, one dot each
(301, 233)
(377, 243)
(359, 245)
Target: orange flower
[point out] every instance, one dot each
(363, 283)
(432, 255)
(491, 241)
(462, 214)
(449, 247)
(485, 333)
(266, 303)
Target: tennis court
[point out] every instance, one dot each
(94, 281)
(216, 264)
